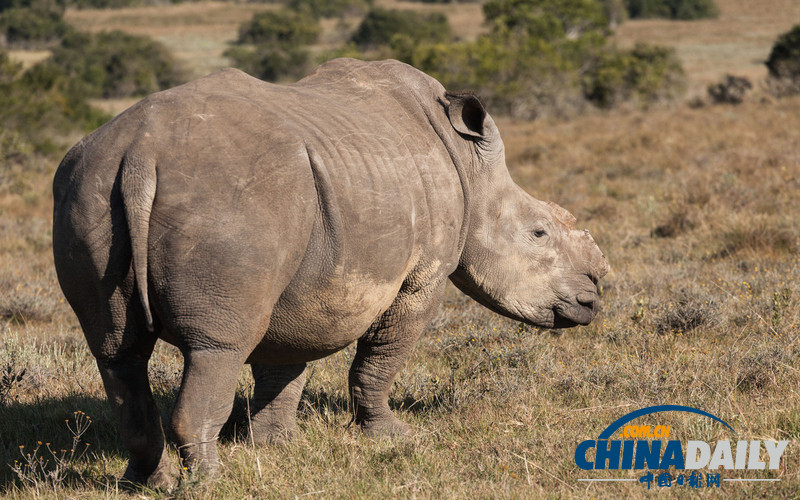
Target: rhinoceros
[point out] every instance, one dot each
(252, 223)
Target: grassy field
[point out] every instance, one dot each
(695, 209)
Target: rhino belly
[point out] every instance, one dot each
(313, 321)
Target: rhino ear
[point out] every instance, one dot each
(466, 113)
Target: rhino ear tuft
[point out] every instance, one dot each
(466, 113)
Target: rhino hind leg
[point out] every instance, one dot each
(275, 398)
(203, 405)
(123, 368)
(139, 422)
(380, 355)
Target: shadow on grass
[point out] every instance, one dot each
(24, 426)
(313, 401)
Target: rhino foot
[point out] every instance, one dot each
(275, 398)
(274, 434)
(387, 426)
(164, 478)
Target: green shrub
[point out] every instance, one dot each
(280, 27)
(784, 59)
(271, 62)
(279, 37)
(32, 28)
(645, 75)
(38, 106)
(784, 64)
(380, 26)
(729, 91)
(42, 5)
(547, 19)
(524, 81)
(548, 57)
(672, 9)
(116, 64)
(332, 8)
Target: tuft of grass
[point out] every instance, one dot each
(766, 235)
(759, 369)
(687, 311)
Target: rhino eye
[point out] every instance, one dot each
(539, 233)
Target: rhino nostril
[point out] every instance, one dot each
(586, 300)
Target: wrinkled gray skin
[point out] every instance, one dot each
(245, 222)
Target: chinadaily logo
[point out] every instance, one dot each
(664, 462)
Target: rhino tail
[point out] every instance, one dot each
(138, 189)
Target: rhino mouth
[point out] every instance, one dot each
(560, 321)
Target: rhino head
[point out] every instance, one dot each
(521, 257)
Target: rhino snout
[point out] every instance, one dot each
(569, 315)
(581, 311)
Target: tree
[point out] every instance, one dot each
(380, 26)
(280, 27)
(784, 64)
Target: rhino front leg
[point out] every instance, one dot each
(381, 354)
(275, 398)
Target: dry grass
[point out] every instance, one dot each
(696, 209)
(29, 57)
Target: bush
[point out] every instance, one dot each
(37, 105)
(32, 28)
(279, 37)
(513, 79)
(115, 64)
(547, 19)
(784, 63)
(730, 91)
(46, 5)
(271, 62)
(280, 27)
(645, 75)
(672, 9)
(381, 26)
(548, 57)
